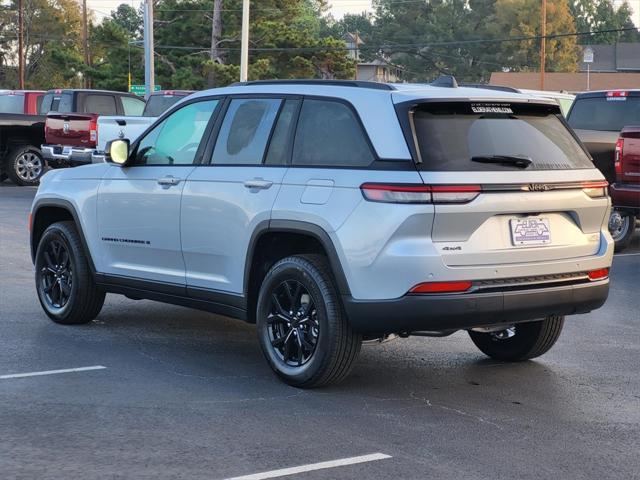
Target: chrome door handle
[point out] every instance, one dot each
(258, 183)
(168, 181)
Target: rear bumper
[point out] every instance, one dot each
(65, 156)
(463, 311)
(625, 195)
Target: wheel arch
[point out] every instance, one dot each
(276, 239)
(48, 211)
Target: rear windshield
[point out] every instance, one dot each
(11, 103)
(157, 104)
(452, 137)
(608, 114)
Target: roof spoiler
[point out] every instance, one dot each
(446, 81)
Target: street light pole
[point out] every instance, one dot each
(20, 46)
(543, 53)
(244, 47)
(149, 69)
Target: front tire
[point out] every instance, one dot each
(64, 283)
(25, 165)
(622, 226)
(523, 341)
(302, 328)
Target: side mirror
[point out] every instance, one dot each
(117, 151)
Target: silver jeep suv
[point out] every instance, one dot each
(332, 212)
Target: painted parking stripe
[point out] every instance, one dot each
(313, 466)
(51, 372)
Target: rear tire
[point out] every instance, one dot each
(24, 165)
(64, 282)
(302, 328)
(622, 226)
(526, 340)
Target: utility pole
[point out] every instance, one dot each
(85, 42)
(244, 47)
(543, 42)
(20, 46)
(216, 36)
(149, 70)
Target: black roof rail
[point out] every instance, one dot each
(334, 83)
(500, 88)
(447, 81)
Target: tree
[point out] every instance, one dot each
(521, 18)
(593, 15)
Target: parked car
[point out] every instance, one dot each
(71, 131)
(332, 212)
(21, 133)
(625, 192)
(112, 127)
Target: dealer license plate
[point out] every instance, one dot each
(530, 231)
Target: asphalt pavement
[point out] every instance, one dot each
(187, 395)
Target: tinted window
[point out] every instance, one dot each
(132, 106)
(449, 136)
(39, 103)
(175, 140)
(100, 104)
(245, 131)
(158, 104)
(46, 104)
(278, 146)
(329, 133)
(605, 113)
(11, 103)
(63, 104)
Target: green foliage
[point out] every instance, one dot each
(602, 15)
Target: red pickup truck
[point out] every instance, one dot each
(71, 129)
(625, 191)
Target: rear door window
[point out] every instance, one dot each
(158, 104)
(100, 104)
(329, 134)
(132, 106)
(454, 137)
(245, 131)
(607, 114)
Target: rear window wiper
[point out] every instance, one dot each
(520, 161)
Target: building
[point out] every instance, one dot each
(621, 57)
(568, 82)
(378, 70)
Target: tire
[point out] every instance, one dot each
(522, 342)
(324, 347)
(622, 226)
(3, 177)
(64, 282)
(24, 165)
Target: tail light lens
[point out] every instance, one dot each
(599, 274)
(411, 193)
(93, 131)
(441, 287)
(596, 189)
(618, 156)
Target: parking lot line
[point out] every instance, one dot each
(51, 372)
(313, 466)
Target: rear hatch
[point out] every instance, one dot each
(598, 117)
(509, 181)
(71, 129)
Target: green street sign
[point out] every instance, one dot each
(141, 90)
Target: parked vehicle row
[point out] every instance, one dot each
(329, 213)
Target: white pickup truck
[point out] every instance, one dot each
(130, 127)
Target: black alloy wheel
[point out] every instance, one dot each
(293, 323)
(56, 274)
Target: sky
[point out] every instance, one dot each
(101, 8)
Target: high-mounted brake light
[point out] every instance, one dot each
(412, 193)
(599, 274)
(618, 156)
(596, 189)
(617, 93)
(441, 287)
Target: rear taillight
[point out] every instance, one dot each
(93, 130)
(597, 189)
(599, 274)
(413, 193)
(441, 287)
(618, 156)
